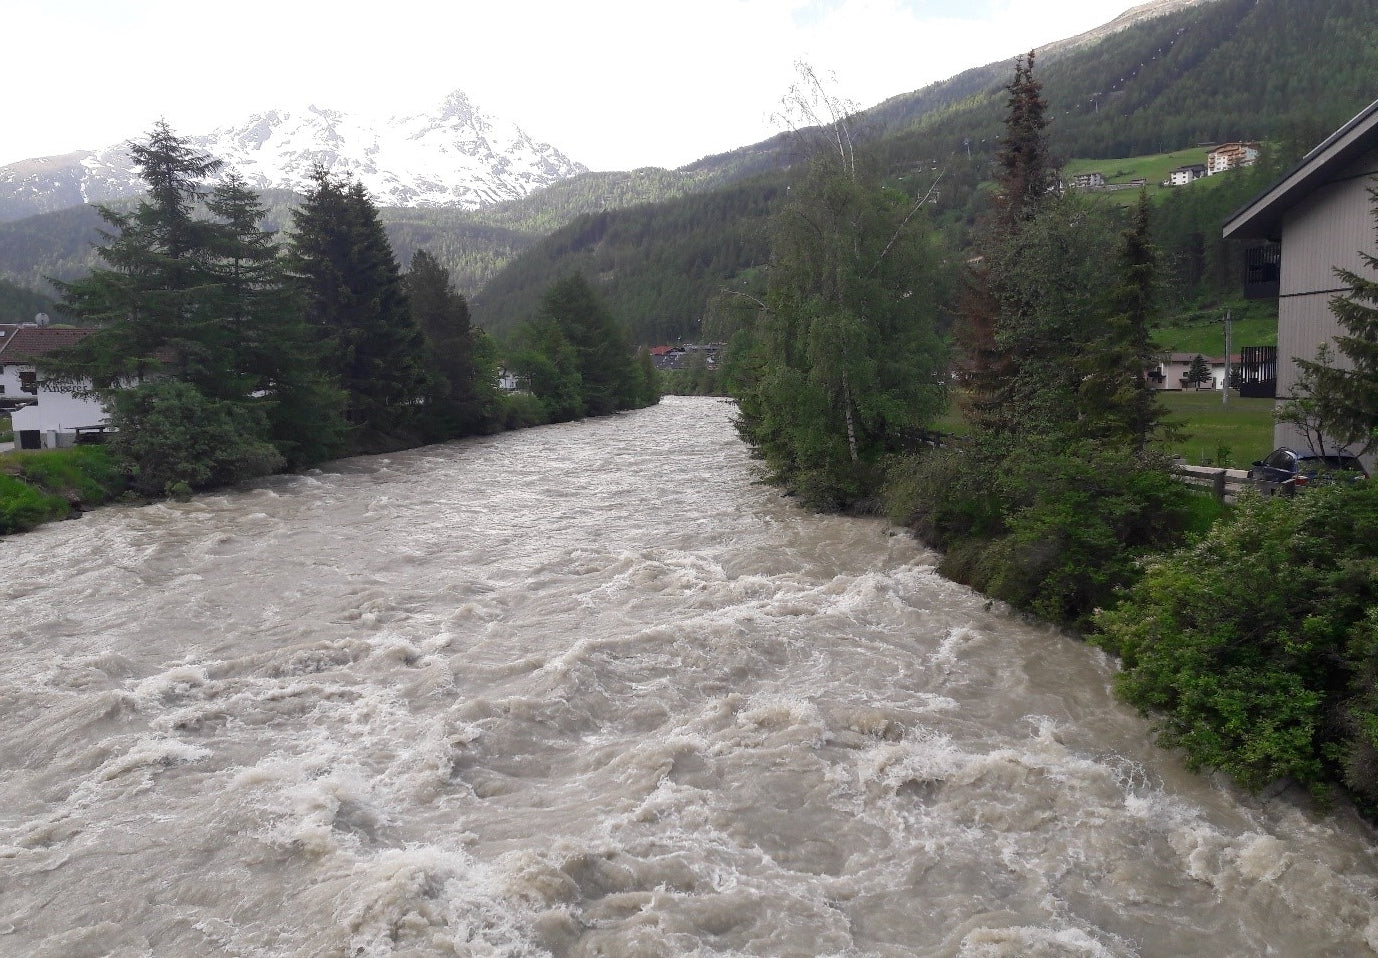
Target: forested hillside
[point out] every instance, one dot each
(657, 264)
(19, 304)
(1285, 72)
(472, 245)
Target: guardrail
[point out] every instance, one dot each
(1226, 484)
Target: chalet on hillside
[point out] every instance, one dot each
(1094, 180)
(1230, 156)
(1184, 175)
(44, 416)
(1321, 216)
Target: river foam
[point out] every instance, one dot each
(593, 689)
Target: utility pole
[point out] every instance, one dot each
(1225, 393)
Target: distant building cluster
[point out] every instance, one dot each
(679, 356)
(1227, 156)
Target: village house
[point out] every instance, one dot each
(1321, 215)
(1184, 175)
(1230, 156)
(1094, 180)
(510, 382)
(43, 416)
(1173, 368)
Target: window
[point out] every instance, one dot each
(28, 382)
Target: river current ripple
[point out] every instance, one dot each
(593, 689)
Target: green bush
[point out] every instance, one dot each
(89, 474)
(1258, 646)
(168, 433)
(1050, 528)
(38, 487)
(521, 410)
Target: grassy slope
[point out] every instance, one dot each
(1153, 167)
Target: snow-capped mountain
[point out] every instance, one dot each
(454, 155)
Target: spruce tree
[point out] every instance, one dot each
(604, 359)
(276, 358)
(1025, 173)
(352, 286)
(1199, 372)
(149, 301)
(1115, 400)
(189, 309)
(442, 315)
(1024, 179)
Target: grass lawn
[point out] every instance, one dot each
(1232, 434)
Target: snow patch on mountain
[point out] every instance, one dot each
(454, 155)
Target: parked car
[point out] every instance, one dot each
(1284, 471)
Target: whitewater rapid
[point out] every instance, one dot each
(595, 690)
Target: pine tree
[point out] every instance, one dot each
(276, 358)
(150, 301)
(344, 266)
(604, 359)
(1116, 401)
(1025, 171)
(986, 368)
(442, 315)
(189, 310)
(1199, 372)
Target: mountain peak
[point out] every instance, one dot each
(451, 155)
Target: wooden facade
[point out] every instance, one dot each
(1321, 214)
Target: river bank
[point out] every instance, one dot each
(42, 486)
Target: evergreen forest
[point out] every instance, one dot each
(224, 354)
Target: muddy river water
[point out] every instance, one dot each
(594, 690)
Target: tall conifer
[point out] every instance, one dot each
(149, 301)
(1024, 179)
(354, 298)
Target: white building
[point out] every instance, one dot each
(43, 416)
(1186, 174)
(1230, 156)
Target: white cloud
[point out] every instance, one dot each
(613, 83)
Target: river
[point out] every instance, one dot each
(593, 689)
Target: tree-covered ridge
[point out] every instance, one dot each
(19, 304)
(473, 245)
(1260, 69)
(1225, 70)
(1287, 86)
(657, 265)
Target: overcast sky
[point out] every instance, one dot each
(614, 84)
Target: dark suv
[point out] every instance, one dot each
(1287, 470)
